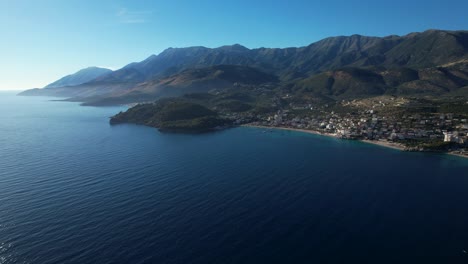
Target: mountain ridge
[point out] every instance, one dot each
(82, 76)
(294, 66)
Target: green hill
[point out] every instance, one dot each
(172, 115)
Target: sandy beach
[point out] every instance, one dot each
(386, 144)
(292, 129)
(458, 155)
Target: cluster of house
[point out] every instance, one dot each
(368, 124)
(455, 136)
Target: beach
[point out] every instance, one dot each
(387, 144)
(291, 129)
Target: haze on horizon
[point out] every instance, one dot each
(46, 40)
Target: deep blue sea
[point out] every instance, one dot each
(74, 189)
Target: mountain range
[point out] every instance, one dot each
(80, 77)
(432, 62)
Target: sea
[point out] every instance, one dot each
(74, 189)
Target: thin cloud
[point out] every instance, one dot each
(126, 16)
(108, 67)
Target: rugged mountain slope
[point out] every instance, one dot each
(416, 50)
(348, 82)
(80, 77)
(190, 81)
(361, 82)
(433, 61)
(428, 49)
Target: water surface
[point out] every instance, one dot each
(74, 189)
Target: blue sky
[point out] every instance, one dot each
(43, 40)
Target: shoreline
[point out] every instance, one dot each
(391, 145)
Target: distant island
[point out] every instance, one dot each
(409, 91)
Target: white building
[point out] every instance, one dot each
(452, 137)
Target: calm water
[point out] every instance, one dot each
(74, 189)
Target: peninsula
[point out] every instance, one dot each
(406, 91)
(408, 124)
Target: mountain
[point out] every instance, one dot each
(428, 49)
(432, 61)
(80, 77)
(352, 82)
(418, 50)
(197, 80)
(348, 82)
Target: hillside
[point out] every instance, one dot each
(80, 77)
(337, 66)
(199, 80)
(417, 50)
(355, 82)
(172, 115)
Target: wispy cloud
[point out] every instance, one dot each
(127, 16)
(108, 67)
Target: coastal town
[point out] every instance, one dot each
(373, 122)
(400, 122)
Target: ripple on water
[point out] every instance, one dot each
(75, 190)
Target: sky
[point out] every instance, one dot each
(44, 40)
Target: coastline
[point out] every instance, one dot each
(395, 146)
(385, 144)
(290, 129)
(457, 154)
